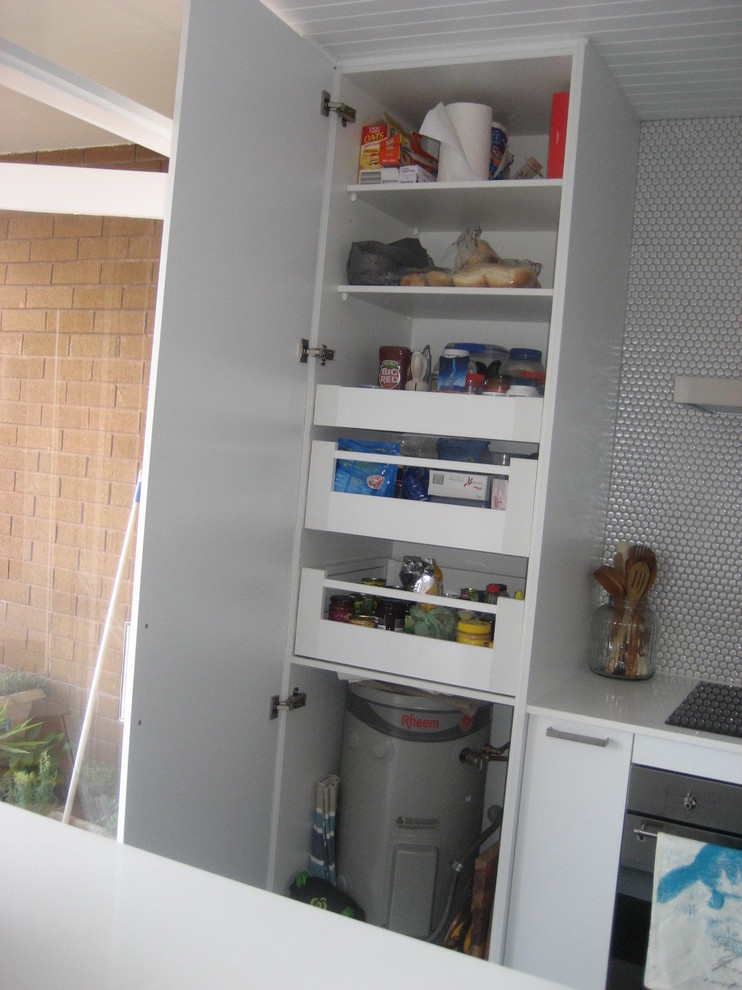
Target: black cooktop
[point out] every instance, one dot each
(710, 708)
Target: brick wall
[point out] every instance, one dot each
(77, 298)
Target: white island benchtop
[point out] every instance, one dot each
(82, 912)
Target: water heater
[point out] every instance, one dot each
(408, 804)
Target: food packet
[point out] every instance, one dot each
(423, 575)
(366, 477)
(376, 263)
(437, 623)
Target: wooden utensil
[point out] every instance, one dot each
(611, 580)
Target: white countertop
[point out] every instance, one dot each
(641, 707)
(82, 912)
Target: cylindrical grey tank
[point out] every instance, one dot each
(408, 805)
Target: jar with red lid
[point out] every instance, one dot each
(474, 384)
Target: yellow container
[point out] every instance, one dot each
(474, 632)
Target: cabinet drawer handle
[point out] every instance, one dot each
(574, 737)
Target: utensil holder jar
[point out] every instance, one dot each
(623, 635)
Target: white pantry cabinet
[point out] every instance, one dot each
(242, 538)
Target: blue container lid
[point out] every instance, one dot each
(524, 354)
(481, 348)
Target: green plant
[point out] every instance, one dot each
(33, 790)
(20, 746)
(12, 681)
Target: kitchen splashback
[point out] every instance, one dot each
(677, 472)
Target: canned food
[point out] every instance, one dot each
(362, 620)
(474, 632)
(472, 594)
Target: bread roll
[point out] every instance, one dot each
(514, 275)
(438, 276)
(413, 278)
(471, 277)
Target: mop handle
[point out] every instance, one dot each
(87, 721)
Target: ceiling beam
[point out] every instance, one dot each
(90, 191)
(42, 80)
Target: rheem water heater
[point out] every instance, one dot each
(408, 804)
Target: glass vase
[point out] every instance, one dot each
(622, 640)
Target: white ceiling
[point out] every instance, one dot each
(673, 58)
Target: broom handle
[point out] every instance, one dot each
(87, 721)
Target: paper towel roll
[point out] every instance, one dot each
(473, 125)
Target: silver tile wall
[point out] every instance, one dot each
(677, 471)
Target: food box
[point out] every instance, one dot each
(459, 485)
(387, 144)
(373, 176)
(415, 173)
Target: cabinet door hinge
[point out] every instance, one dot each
(297, 699)
(324, 353)
(343, 111)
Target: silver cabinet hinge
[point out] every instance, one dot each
(343, 111)
(324, 354)
(297, 699)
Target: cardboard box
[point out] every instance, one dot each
(387, 145)
(415, 173)
(375, 176)
(459, 485)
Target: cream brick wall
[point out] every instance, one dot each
(77, 297)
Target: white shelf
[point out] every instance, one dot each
(452, 302)
(531, 204)
(494, 670)
(489, 417)
(710, 392)
(506, 531)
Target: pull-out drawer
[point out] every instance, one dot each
(491, 417)
(493, 669)
(506, 531)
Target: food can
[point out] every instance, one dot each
(362, 620)
(394, 367)
(497, 151)
(474, 632)
(472, 594)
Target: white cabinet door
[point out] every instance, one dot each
(224, 439)
(567, 851)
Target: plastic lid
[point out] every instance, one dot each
(524, 354)
(480, 348)
(475, 627)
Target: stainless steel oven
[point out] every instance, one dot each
(659, 800)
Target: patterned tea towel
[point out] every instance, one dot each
(695, 935)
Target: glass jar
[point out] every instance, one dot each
(623, 635)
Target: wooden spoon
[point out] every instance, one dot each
(611, 579)
(637, 579)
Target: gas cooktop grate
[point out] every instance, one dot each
(710, 708)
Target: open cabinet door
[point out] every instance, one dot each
(224, 437)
